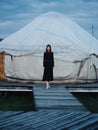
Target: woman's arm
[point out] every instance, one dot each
(53, 59)
(44, 60)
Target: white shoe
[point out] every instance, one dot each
(48, 86)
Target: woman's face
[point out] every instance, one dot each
(48, 48)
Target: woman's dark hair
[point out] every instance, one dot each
(47, 47)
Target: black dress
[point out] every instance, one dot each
(48, 63)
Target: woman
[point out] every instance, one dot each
(48, 64)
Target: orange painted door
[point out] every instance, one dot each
(2, 74)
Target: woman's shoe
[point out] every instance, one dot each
(48, 86)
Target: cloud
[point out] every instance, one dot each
(20, 16)
(5, 24)
(7, 7)
(16, 14)
(5, 27)
(3, 35)
(44, 4)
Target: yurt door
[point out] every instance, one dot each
(2, 74)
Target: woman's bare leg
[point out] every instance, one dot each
(47, 85)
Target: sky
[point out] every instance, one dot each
(15, 14)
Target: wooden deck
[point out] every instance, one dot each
(47, 119)
(56, 97)
(76, 87)
(14, 86)
(91, 87)
(57, 108)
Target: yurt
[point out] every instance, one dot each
(75, 50)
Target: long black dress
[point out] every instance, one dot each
(48, 63)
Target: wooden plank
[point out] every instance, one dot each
(56, 97)
(83, 90)
(89, 87)
(14, 84)
(48, 119)
(8, 86)
(77, 121)
(8, 114)
(93, 87)
(84, 123)
(44, 97)
(16, 89)
(40, 119)
(58, 122)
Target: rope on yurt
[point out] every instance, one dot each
(81, 66)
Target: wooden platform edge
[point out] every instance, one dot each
(15, 89)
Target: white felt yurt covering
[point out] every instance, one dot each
(75, 50)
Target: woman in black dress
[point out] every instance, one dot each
(48, 64)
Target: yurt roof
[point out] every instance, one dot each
(69, 41)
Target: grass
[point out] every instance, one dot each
(17, 101)
(90, 100)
